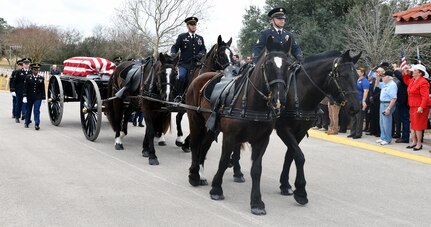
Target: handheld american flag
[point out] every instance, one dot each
(403, 60)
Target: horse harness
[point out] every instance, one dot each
(334, 75)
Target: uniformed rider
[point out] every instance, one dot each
(278, 19)
(192, 48)
(34, 93)
(18, 86)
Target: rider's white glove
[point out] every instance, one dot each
(13, 93)
(24, 100)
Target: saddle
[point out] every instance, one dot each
(132, 78)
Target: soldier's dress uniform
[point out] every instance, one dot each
(279, 35)
(12, 89)
(192, 48)
(18, 86)
(34, 93)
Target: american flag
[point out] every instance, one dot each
(84, 66)
(403, 60)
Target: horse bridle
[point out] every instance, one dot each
(217, 61)
(268, 84)
(334, 75)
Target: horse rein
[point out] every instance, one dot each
(333, 75)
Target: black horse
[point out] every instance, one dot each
(250, 118)
(156, 79)
(218, 58)
(329, 74)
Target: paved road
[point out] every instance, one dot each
(55, 177)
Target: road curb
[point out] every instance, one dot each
(370, 147)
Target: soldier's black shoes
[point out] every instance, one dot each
(16, 120)
(37, 127)
(22, 117)
(26, 126)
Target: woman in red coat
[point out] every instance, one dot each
(418, 95)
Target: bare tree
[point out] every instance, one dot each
(158, 20)
(36, 42)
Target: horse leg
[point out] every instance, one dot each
(197, 134)
(149, 134)
(186, 146)
(118, 117)
(161, 141)
(179, 141)
(258, 150)
(293, 152)
(145, 146)
(217, 190)
(206, 144)
(238, 176)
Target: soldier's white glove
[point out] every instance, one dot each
(13, 93)
(24, 100)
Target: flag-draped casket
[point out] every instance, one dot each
(84, 66)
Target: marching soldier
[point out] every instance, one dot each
(278, 17)
(17, 86)
(12, 89)
(192, 49)
(34, 93)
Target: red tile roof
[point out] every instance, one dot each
(418, 13)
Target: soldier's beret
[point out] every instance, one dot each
(279, 13)
(35, 65)
(118, 59)
(190, 20)
(26, 60)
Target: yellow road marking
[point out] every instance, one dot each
(366, 146)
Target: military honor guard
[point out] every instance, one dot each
(18, 87)
(278, 19)
(34, 93)
(12, 89)
(192, 48)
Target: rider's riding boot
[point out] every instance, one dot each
(179, 91)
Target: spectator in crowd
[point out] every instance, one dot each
(18, 86)
(402, 125)
(333, 110)
(235, 60)
(418, 95)
(358, 120)
(12, 90)
(323, 118)
(34, 93)
(388, 98)
(374, 95)
(248, 59)
(54, 71)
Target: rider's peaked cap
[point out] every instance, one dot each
(191, 20)
(118, 59)
(35, 65)
(19, 62)
(279, 13)
(26, 60)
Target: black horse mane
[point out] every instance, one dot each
(323, 56)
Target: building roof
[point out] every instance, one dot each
(417, 14)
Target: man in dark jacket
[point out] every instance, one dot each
(278, 19)
(402, 109)
(34, 93)
(17, 85)
(12, 89)
(192, 48)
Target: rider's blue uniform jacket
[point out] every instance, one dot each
(191, 49)
(283, 37)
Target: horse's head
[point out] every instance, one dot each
(343, 82)
(167, 74)
(274, 66)
(220, 54)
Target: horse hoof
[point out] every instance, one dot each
(258, 211)
(194, 182)
(145, 154)
(119, 146)
(179, 144)
(203, 182)
(185, 149)
(153, 161)
(286, 191)
(162, 143)
(240, 179)
(300, 199)
(217, 197)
